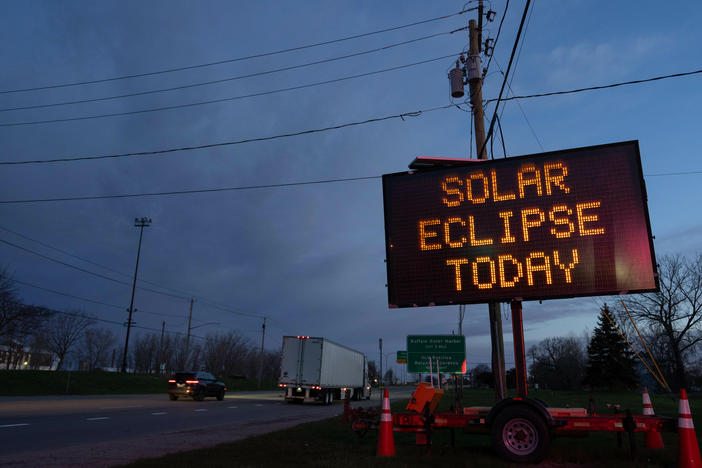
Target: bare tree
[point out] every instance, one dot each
(558, 363)
(230, 354)
(271, 365)
(23, 336)
(145, 353)
(673, 314)
(97, 344)
(10, 310)
(66, 329)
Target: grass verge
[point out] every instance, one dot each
(332, 443)
(27, 383)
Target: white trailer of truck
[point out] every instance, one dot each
(316, 369)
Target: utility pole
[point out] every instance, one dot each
(160, 346)
(263, 339)
(380, 345)
(187, 339)
(141, 223)
(476, 99)
(459, 392)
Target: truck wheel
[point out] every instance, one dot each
(519, 434)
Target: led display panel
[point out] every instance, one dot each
(560, 224)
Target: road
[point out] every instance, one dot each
(117, 429)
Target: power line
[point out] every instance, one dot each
(238, 59)
(98, 275)
(349, 124)
(214, 305)
(504, 81)
(228, 143)
(72, 314)
(497, 38)
(183, 192)
(509, 85)
(239, 188)
(203, 300)
(593, 88)
(65, 252)
(227, 99)
(92, 301)
(665, 174)
(224, 80)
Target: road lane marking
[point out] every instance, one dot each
(14, 425)
(97, 419)
(159, 413)
(201, 409)
(258, 404)
(233, 407)
(122, 407)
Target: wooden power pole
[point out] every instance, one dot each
(475, 81)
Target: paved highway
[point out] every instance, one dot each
(115, 429)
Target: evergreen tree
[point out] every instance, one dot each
(610, 361)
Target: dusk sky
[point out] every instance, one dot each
(308, 257)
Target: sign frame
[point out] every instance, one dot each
(630, 149)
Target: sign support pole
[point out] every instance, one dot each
(476, 100)
(519, 355)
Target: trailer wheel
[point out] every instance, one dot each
(520, 434)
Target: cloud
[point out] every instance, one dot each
(593, 63)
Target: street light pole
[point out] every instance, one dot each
(141, 223)
(380, 345)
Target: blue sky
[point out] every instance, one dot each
(311, 258)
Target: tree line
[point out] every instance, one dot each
(664, 329)
(35, 337)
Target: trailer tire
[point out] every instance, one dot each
(520, 434)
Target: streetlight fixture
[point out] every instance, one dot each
(141, 223)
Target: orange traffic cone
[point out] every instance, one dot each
(689, 451)
(386, 442)
(653, 438)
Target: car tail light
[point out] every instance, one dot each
(171, 380)
(192, 381)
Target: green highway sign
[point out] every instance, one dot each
(448, 351)
(402, 357)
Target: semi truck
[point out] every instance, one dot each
(317, 369)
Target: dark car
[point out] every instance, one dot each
(196, 385)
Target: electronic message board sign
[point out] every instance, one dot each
(560, 224)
